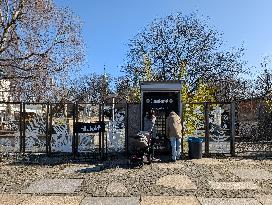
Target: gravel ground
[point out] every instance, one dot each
(113, 178)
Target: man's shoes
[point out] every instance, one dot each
(172, 160)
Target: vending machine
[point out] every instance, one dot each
(162, 97)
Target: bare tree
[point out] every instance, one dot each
(39, 44)
(263, 82)
(92, 88)
(126, 91)
(182, 47)
(233, 89)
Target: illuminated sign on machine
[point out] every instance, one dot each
(159, 101)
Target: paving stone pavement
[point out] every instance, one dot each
(110, 201)
(196, 182)
(116, 188)
(22, 199)
(217, 175)
(54, 186)
(12, 199)
(233, 185)
(228, 201)
(245, 162)
(169, 200)
(53, 200)
(254, 174)
(264, 199)
(177, 182)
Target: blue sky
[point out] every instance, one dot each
(109, 24)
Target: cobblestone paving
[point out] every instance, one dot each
(206, 181)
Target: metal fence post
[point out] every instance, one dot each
(21, 127)
(50, 126)
(207, 128)
(24, 129)
(126, 130)
(103, 134)
(77, 137)
(182, 129)
(106, 141)
(46, 130)
(74, 135)
(232, 137)
(100, 134)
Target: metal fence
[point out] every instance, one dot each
(213, 122)
(50, 128)
(254, 127)
(238, 128)
(241, 128)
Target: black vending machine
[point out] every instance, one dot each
(162, 97)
